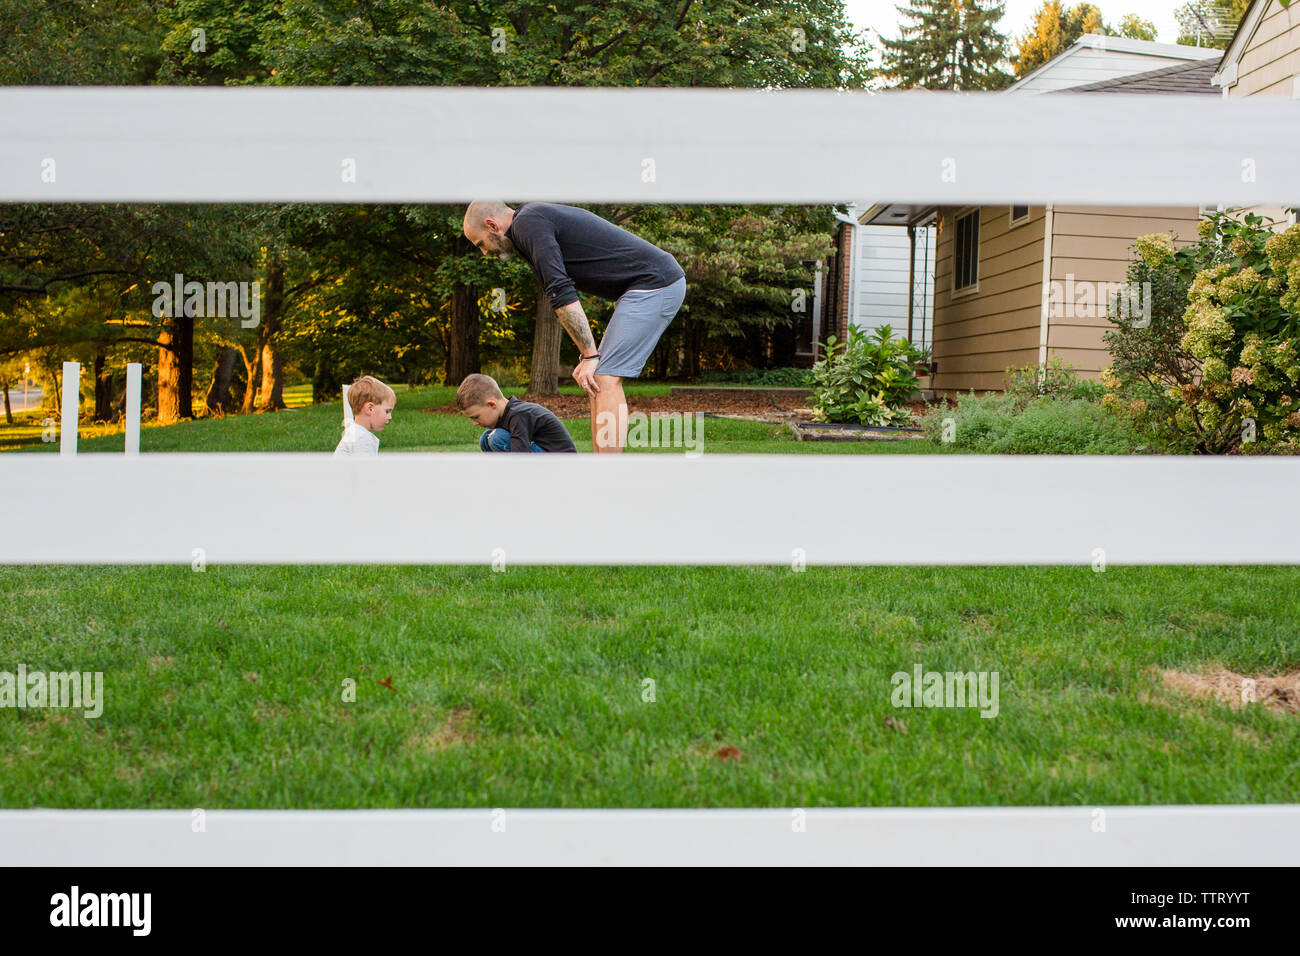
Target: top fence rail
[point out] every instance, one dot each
(455, 144)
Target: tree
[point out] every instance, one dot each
(661, 43)
(1055, 28)
(82, 275)
(75, 280)
(1135, 28)
(1045, 39)
(952, 45)
(745, 267)
(60, 43)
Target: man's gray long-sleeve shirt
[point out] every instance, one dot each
(573, 250)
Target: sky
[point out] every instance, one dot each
(883, 16)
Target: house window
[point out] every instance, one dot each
(1019, 214)
(966, 244)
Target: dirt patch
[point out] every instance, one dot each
(1279, 692)
(454, 732)
(270, 710)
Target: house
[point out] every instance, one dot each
(1263, 59)
(1018, 285)
(1094, 59)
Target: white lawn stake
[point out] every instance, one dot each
(347, 409)
(133, 375)
(71, 394)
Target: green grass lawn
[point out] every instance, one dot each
(413, 428)
(525, 688)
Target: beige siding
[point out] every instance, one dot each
(1094, 245)
(978, 335)
(1269, 66)
(1270, 61)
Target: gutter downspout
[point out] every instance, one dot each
(1044, 321)
(911, 277)
(853, 266)
(817, 309)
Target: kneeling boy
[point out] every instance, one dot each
(511, 425)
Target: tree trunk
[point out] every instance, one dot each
(176, 368)
(326, 380)
(693, 350)
(661, 361)
(270, 396)
(462, 357)
(783, 344)
(251, 375)
(53, 398)
(218, 397)
(9, 415)
(169, 409)
(754, 347)
(103, 391)
(545, 376)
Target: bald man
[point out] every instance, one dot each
(572, 250)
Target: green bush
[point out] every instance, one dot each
(762, 377)
(999, 424)
(1055, 380)
(868, 379)
(510, 373)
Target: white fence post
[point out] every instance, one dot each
(347, 409)
(71, 401)
(134, 372)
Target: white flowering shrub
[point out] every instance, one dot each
(1217, 369)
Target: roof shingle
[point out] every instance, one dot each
(1183, 79)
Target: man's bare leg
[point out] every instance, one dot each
(609, 416)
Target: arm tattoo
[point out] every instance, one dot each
(574, 321)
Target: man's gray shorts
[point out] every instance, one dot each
(640, 318)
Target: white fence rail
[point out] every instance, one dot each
(661, 508)
(1009, 836)
(355, 144)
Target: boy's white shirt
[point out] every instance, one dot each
(357, 441)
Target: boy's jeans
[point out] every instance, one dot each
(498, 439)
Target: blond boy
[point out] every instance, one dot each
(372, 404)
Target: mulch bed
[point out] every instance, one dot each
(579, 406)
(776, 407)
